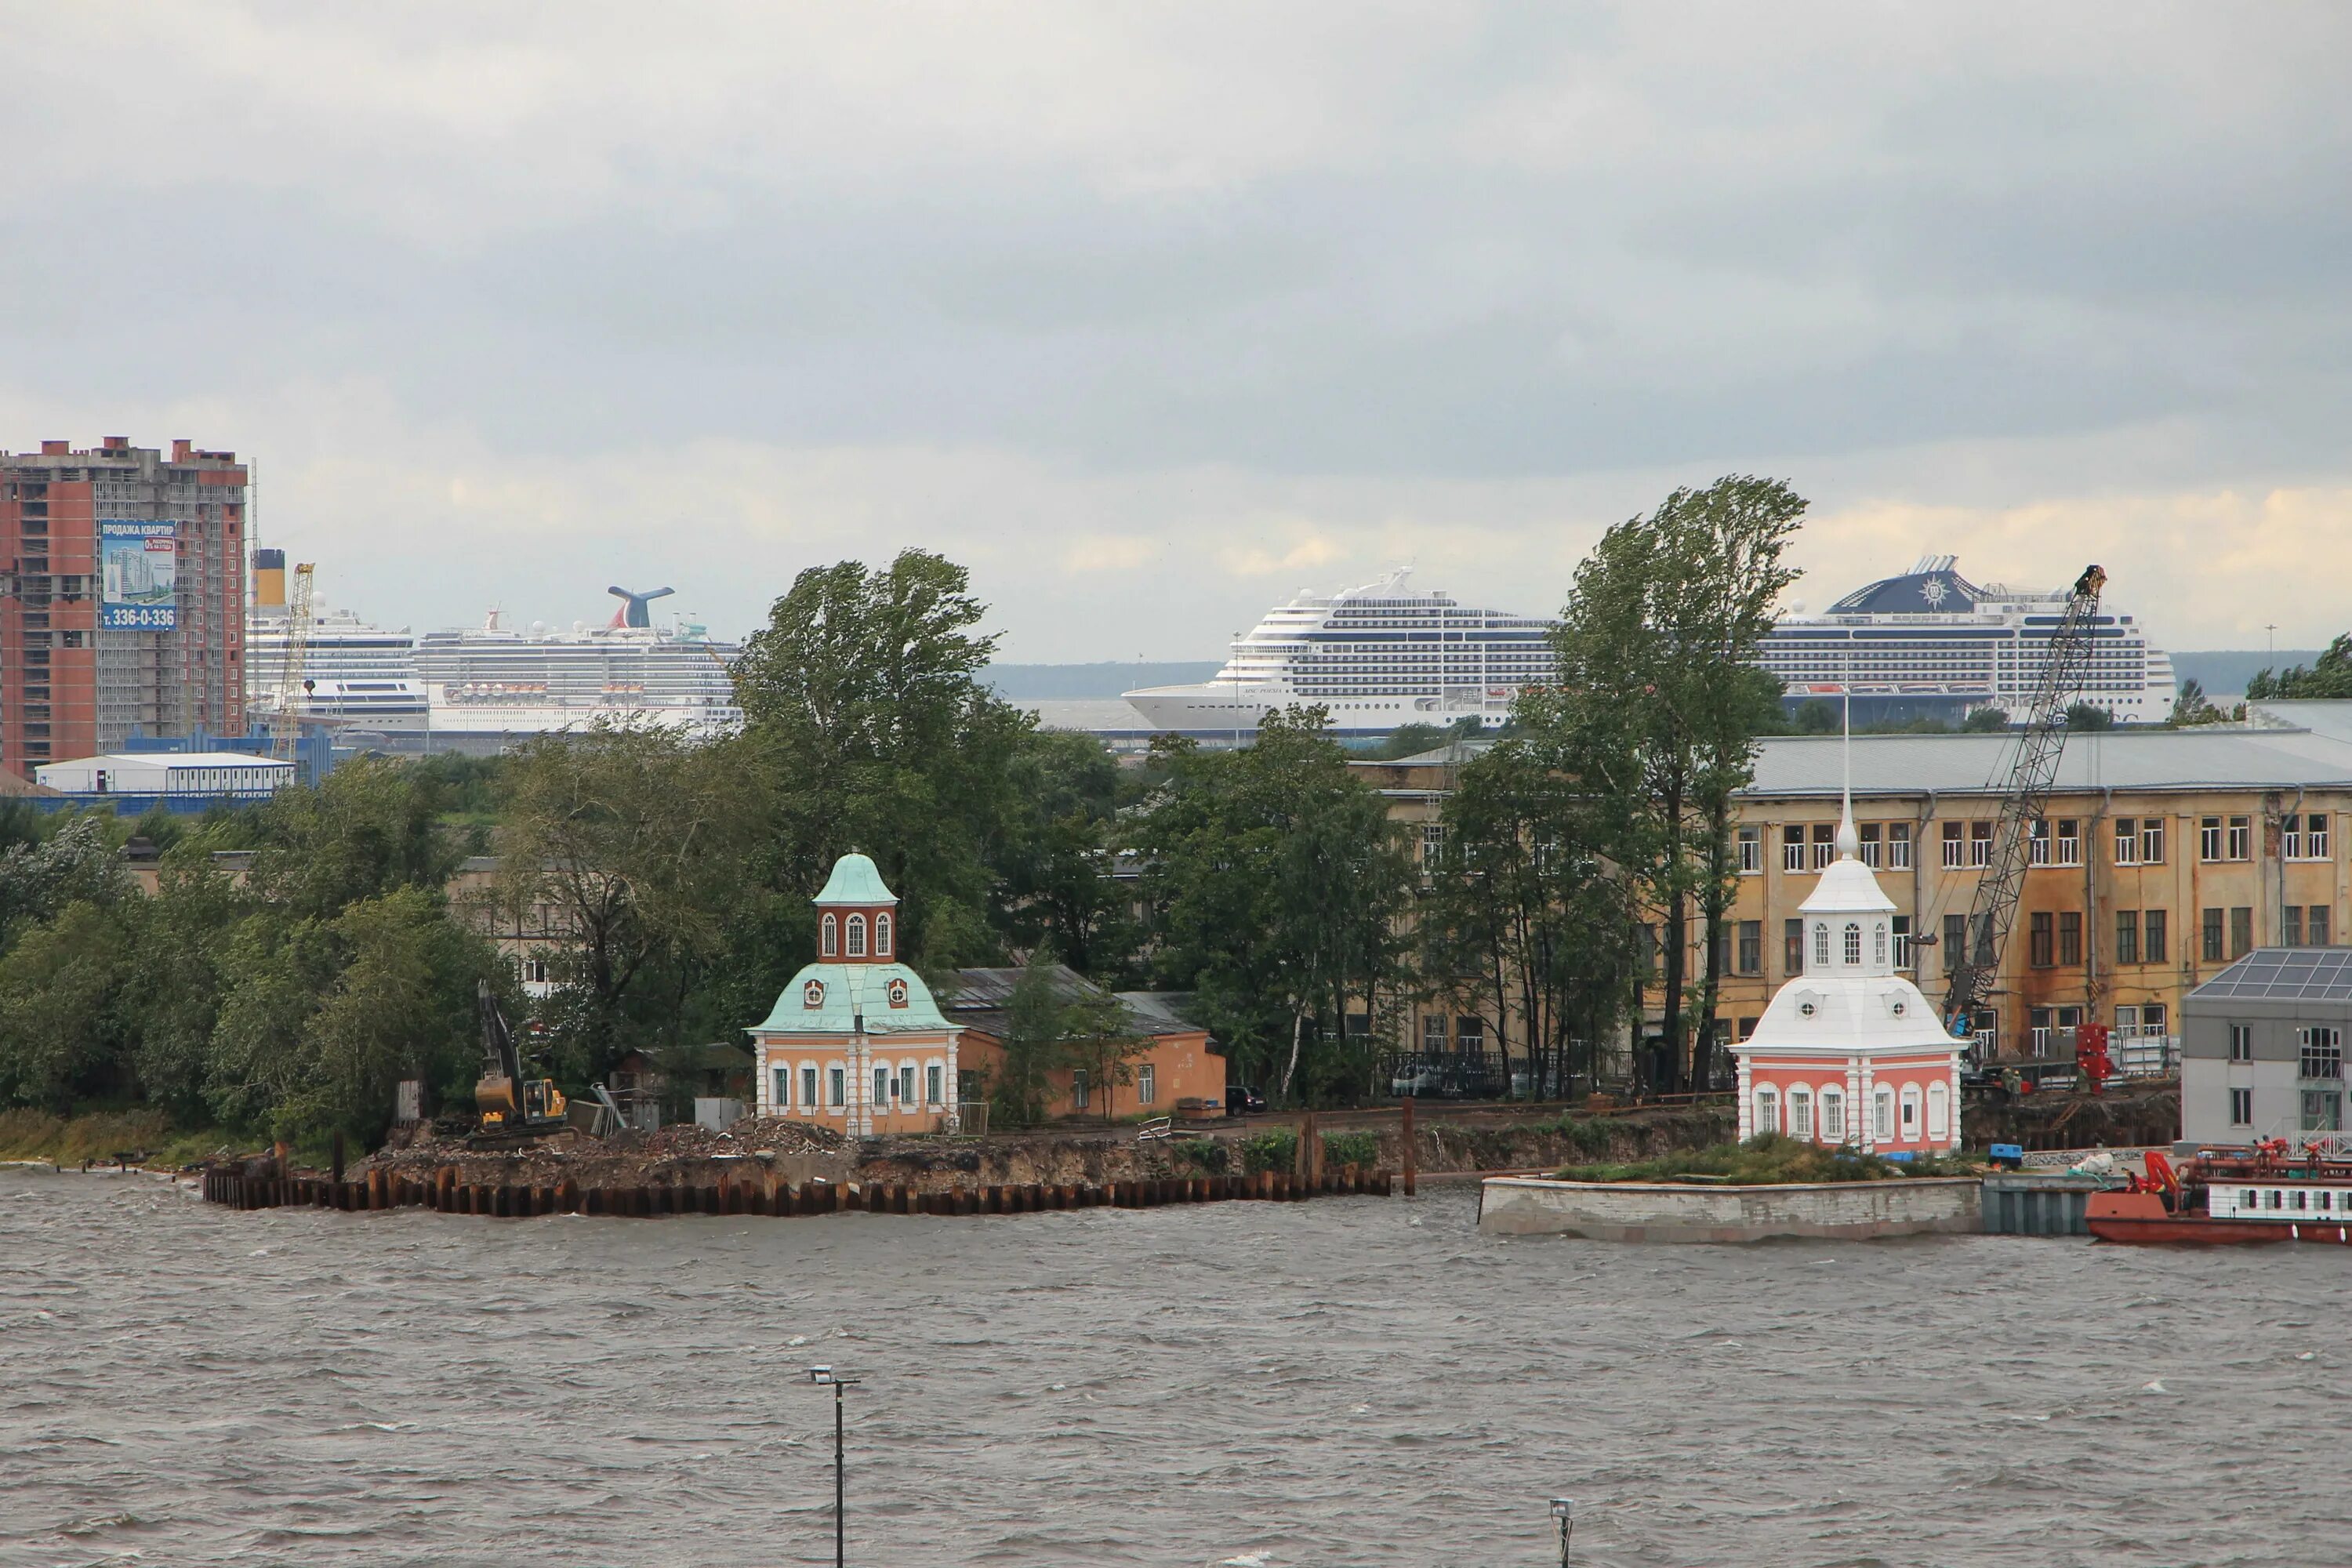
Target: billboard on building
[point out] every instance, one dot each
(139, 575)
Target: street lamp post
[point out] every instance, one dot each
(1563, 1511)
(822, 1377)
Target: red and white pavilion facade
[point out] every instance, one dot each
(1850, 1052)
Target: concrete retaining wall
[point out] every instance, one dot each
(1640, 1211)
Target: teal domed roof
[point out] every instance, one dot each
(849, 994)
(855, 880)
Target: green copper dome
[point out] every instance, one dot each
(855, 880)
(845, 994)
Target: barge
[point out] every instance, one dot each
(2230, 1198)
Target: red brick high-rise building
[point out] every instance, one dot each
(121, 597)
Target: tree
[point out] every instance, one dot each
(1099, 1039)
(2082, 716)
(626, 842)
(1657, 708)
(1276, 882)
(1984, 720)
(871, 730)
(2329, 676)
(74, 864)
(1522, 921)
(370, 826)
(1816, 717)
(1032, 1039)
(62, 1033)
(2191, 707)
(1053, 859)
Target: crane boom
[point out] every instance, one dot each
(287, 740)
(1994, 908)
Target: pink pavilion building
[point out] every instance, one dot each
(1850, 1052)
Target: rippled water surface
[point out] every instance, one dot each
(1347, 1382)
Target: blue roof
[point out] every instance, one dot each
(1938, 592)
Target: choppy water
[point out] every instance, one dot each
(1347, 1382)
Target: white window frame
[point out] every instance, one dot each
(2151, 841)
(2242, 1107)
(1792, 849)
(2126, 840)
(1939, 1111)
(1800, 1114)
(829, 939)
(1146, 1084)
(1821, 944)
(1882, 1108)
(837, 1080)
(934, 1082)
(1082, 1090)
(2069, 842)
(781, 1079)
(882, 1078)
(1833, 1116)
(1767, 1112)
(1853, 945)
(2242, 838)
(1752, 851)
(854, 930)
(1899, 846)
(808, 1088)
(882, 936)
(2209, 839)
(1870, 848)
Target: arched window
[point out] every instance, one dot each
(1910, 1133)
(1878, 944)
(881, 936)
(1800, 1114)
(1940, 1113)
(831, 941)
(1833, 1116)
(1821, 944)
(1767, 1113)
(858, 936)
(1884, 1099)
(1854, 944)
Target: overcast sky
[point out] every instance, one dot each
(1154, 315)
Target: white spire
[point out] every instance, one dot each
(1849, 840)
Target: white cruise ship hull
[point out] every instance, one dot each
(1209, 709)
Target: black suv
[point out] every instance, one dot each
(1241, 1100)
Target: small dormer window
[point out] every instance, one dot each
(1878, 944)
(1854, 944)
(881, 936)
(1821, 944)
(858, 936)
(831, 937)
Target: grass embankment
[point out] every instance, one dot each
(149, 1137)
(1764, 1161)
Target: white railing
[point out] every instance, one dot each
(2327, 1145)
(1158, 1127)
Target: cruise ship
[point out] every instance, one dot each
(493, 684)
(357, 676)
(1931, 644)
(1376, 656)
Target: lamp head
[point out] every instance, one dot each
(820, 1374)
(1561, 1507)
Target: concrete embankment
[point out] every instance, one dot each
(1647, 1211)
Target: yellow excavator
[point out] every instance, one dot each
(514, 1109)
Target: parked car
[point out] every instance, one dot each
(1241, 1100)
(1420, 1082)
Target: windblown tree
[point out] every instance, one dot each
(624, 842)
(1052, 859)
(1523, 921)
(2330, 675)
(1656, 712)
(1275, 881)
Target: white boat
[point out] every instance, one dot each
(1929, 643)
(1376, 656)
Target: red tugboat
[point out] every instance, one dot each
(2230, 1198)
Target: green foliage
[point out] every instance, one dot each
(1275, 1149)
(289, 1005)
(1052, 858)
(1276, 884)
(1816, 717)
(1406, 740)
(2329, 676)
(1351, 1149)
(1207, 1155)
(2089, 716)
(1657, 707)
(1764, 1159)
(1059, 1024)
(1985, 721)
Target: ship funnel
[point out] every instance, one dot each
(632, 612)
(269, 579)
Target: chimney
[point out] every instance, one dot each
(180, 450)
(269, 579)
(118, 443)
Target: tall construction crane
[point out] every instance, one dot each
(291, 691)
(1994, 909)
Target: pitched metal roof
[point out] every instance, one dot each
(2284, 974)
(2284, 745)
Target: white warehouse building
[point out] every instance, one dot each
(233, 776)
